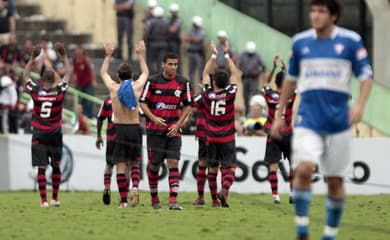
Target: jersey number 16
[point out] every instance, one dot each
(218, 108)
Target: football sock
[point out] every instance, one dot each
(273, 180)
(302, 199)
(173, 179)
(201, 180)
(153, 185)
(122, 186)
(334, 211)
(56, 181)
(41, 179)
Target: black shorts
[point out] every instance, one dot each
(202, 148)
(128, 143)
(110, 152)
(222, 154)
(46, 149)
(161, 147)
(275, 148)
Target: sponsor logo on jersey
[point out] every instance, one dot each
(162, 106)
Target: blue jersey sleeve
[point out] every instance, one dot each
(360, 64)
(293, 64)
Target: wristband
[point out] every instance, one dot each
(214, 56)
(226, 55)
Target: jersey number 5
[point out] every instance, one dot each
(46, 109)
(218, 108)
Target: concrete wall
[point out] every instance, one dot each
(96, 17)
(380, 9)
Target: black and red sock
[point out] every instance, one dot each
(122, 186)
(107, 180)
(135, 176)
(174, 179)
(153, 185)
(227, 179)
(56, 181)
(201, 180)
(273, 180)
(212, 178)
(41, 179)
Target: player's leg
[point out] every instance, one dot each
(307, 150)
(121, 168)
(135, 165)
(272, 157)
(286, 150)
(227, 154)
(108, 172)
(156, 156)
(334, 165)
(55, 156)
(213, 165)
(40, 160)
(173, 156)
(201, 174)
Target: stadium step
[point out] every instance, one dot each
(28, 9)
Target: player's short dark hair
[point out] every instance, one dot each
(334, 6)
(48, 76)
(221, 79)
(125, 71)
(169, 56)
(279, 79)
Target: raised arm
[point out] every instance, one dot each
(110, 84)
(231, 66)
(140, 51)
(209, 65)
(27, 69)
(64, 57)
(271, 74)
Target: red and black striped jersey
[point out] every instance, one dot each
(219, 113)
(48, 105)
(200, 117)
(164, 98)
(272, 98)
(105, 112)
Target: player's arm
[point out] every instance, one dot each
(157, 120)
(100, 118)
(209, 65)
(231, 66)
(110, 84)
(271, 74)
(140, 51)
(64, 57)
(27, 69)
(356, 112)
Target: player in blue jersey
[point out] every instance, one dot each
(321, 64)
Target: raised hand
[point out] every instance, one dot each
(109, 49)
(276, 58)
(283, 64)
(213, 48)
(226, 47)
(140, 49)
(60, 49)
(36, 51)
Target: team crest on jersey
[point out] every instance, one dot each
(212, 95)
(177, 93)
(338, 48)
(361, 54)
(305, 50)
(42, 93)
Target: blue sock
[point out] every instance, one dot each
(302, 198)
(334, 210)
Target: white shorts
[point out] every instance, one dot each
(331, 152)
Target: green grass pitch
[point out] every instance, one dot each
(251, 216)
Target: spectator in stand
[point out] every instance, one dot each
(124, 25)
(84, 76)
(174, 40)
(8, 98)
(156, 36)
(221, 63)
(148, 12)
(196, 38)
(10, 53)
(83, 123)
(25, 52)
(7, 23)
(255, 121)
(251, 66)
